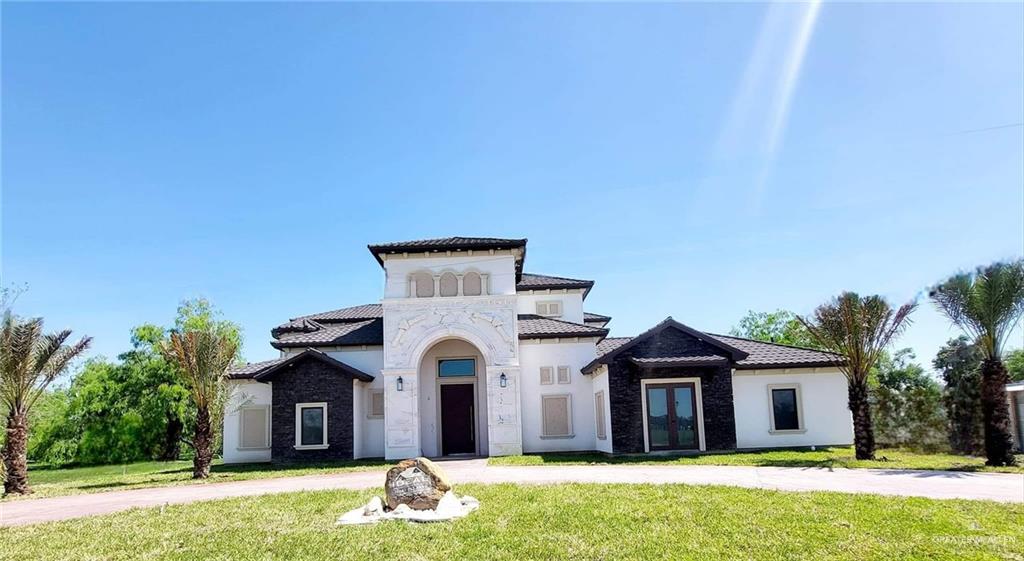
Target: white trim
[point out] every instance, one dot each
(298, 426)
(241, 428)
(568, 414)
(457, 380)
(700, 407)
(799, 409)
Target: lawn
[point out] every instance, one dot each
(49, 482)
(823, 457)
(547, 522)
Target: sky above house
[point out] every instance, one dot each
(695, 160)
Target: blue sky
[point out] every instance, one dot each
(695, 160)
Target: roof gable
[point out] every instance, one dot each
(727, 350)
(280, 367)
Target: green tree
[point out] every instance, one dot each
(987, 304)
(958, 362)
(858, 329)
(780, 326)
(907, 404)
(203, 346)
(29, 361)
(1015, 365)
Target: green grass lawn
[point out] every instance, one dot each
(49, 482)
(823, 457)
(547, 522)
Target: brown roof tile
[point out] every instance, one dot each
(540, 327)
(365, 332)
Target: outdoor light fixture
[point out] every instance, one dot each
(503, 380)
(399, 383)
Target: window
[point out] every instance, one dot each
(424, 282)
(552, 308)
(785, 404)
(563, 375)
(254, 427)
(557, 416)
(376, 409)
(311, 426)
(547, 375)
(449, 285)
(602, 432)
(451, 367)
(472, 285)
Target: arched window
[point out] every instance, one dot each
(449, 285)
(424, 284)
(471, 284)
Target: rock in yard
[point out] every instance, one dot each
(418, 483)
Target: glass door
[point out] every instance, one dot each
(672, 417)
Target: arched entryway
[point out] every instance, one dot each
(453, 399)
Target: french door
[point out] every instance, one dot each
(672, 416)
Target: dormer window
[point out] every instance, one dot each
(550, 308)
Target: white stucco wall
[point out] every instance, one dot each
(572, 303)
(243, 393)
(826, 416)
(499, 267)
(532, 356)
(368, 434)
(429, 394)
(600, 384)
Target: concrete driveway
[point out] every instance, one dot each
(931, 484)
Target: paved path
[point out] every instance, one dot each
(932, 484)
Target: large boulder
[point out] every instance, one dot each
(418, 483)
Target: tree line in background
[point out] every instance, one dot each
(161, 399)
(892, 398)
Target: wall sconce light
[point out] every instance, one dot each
(399, 383)
(503, 380)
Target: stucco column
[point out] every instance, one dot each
(504, 420)
(401, 414)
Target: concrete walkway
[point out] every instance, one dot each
(932, 484)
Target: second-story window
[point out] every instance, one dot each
(551, 308)
(424, 282)
(471, 285)
(449, 284)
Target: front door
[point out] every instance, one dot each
(457, 423)
(672, 417)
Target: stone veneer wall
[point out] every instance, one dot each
(625, 391)
(311, 381)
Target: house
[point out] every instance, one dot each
(468, 354)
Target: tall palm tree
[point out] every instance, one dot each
(859, 329)
(29, 362)
(987, 304)
(203, 354)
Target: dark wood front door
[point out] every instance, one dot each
(672, 417)
(457, 430)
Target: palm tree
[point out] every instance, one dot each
(859, 329)
(29, 361)
(203, 354)
(987, 304)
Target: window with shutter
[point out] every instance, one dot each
(547, 375)
(255, 427)
(557, 417)
(551, 308)
(602, 432)
(376, 410)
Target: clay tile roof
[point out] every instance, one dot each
(365, 332)
(455, 243)
(540, 327)
(533, 281)
(680, 360)
(315, 322)
(250, 369)
(773, 355)
(610, 344)
(595, 318)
